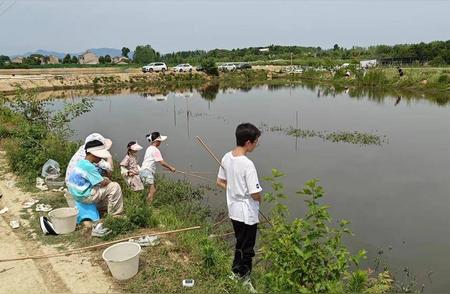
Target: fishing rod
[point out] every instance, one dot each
(220, 164)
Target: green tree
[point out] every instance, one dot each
(209, 67)
(67, 59)
(33, 59)
(74, 60)
(101, 59)
(4, 59)
(336, 47)
(145, 54)
(438, 61)
(107, 58)
(125, 52)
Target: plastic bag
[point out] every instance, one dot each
(51, 170)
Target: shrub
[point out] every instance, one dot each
(138, 214)
(209, 66)
(374, 77)
(306, 254)
(137, 211)
(443, 79)
(174, 192)
(213, 258)
(438, 61)
(37, 134)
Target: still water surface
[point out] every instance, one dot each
(397, 195)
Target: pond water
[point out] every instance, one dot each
(396, 195)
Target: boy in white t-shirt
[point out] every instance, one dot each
(238, 176)
(151, 157)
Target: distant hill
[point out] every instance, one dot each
(106, 51)
(98, 51)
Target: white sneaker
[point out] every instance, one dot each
(146, 241)
(247, 283)
(99, 231)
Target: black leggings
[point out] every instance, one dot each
(244, 252)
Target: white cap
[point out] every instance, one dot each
(99, 151)
(136, 147)
(99, 137)
(161, 138)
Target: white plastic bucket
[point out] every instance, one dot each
(123, 259)
(64, 219)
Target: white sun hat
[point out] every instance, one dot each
(136, 147)
(96, 136)
(161, 138)
(98, 151)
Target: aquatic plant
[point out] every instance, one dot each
(355, 138)
(351, 137)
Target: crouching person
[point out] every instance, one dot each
(86, 184)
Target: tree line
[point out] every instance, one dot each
(433, 53)
(436, 53)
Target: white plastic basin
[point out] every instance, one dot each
(123, 259)
(64, 219)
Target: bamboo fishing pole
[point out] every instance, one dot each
(193, 175)
(190, 174)
(74, 251)
(220, 164)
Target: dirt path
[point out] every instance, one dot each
(74, 273)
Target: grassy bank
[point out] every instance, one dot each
(178, 204)
(423, 80)
(305, 254)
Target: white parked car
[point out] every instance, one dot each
(186, 67)
(154, 67)
(227, 67)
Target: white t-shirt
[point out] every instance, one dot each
(242, 181)
(151, 157)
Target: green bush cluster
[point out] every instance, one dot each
(174, 192)
(35, 134)
(209, 67)
(374, 77)
(138, 214)
(307, 254)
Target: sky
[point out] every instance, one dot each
(173, 25)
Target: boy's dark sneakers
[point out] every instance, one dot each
(46, 226)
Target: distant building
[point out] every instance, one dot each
(51, 59)
(88, 57)
(368, 63)
(120, 60)
(397, 61)
(263, 49)
(18, 59)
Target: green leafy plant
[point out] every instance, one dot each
(175, 192)
(306, 254)
(209, 67)
(36, 133)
